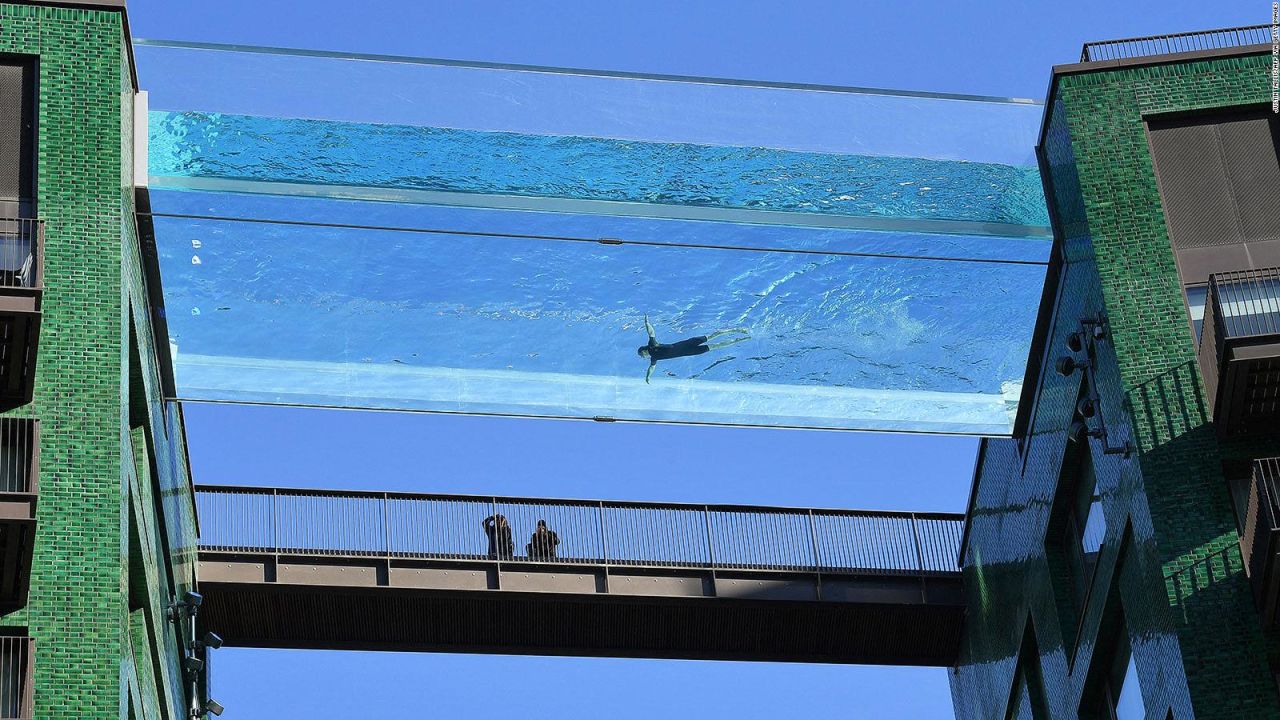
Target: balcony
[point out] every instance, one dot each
(17, 660)
(19, 487)
(1240, 351)
(21, 287)
(1259, 534)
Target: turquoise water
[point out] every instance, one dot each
(360, 317)
(322, 152)
(451, 293)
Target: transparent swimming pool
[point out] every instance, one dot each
(406, 157)
(325, 252)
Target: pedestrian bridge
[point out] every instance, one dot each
(289, 568)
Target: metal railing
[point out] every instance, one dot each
(1246, 303)
(17, 663)
(1261, 516)
(19, 453)
(669, 535)
(21, 253)
(1239, 304)
(1176, 43)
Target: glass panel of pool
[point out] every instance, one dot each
(424, 235)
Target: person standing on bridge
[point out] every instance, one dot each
(501, 545)
(544, 542)
(655, 351)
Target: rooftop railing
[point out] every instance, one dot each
(668, 535)
(1176, 43)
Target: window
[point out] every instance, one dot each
(1216, 173)
(17, 137)
(1027, 700)
(1129, 699)
(1021, 706)
(1119, 694)
(1111, 687)
(1249, 304)
(1197, 296)
(1073, 541)
(1093, 529)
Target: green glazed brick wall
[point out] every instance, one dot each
(1197, 641)
(90, 653)
(74, 605)
(1007, 576)
(1193, 522)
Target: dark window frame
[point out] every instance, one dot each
(1193, 272)
(1072, 575)
(31, 93)
(1027, 678)
(1113, 648)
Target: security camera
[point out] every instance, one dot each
(213, 706)
(193, 664)
(192, 598)
(212, 641)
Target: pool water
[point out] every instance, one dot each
(407, 234)
(215, 145)
(385, 318)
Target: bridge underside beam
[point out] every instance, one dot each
(278, 601)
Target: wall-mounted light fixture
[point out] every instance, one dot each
(1086, 407)
(211, 640)
(188, 605)
(1066, 365)
(1092, 331)
(1075, 342)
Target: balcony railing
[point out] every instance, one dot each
(21, 244)
(19, 490)
(1240, 350)
(17, 662)
(667, 535)
(1176, 43)
(1260, 534)
(21, 288)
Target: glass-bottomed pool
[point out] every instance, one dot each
(379, 256)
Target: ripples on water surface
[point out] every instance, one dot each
(194, 144)
(345, 316)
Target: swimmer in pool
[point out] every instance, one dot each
(655, 351)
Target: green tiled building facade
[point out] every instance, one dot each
(115, 533)
(1093, 562)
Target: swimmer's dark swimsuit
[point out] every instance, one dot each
(684, 348)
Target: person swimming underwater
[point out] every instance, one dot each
(655, 351)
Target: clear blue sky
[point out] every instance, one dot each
(994, 47)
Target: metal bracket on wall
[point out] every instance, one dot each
(1092, 330)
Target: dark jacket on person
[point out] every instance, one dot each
(543, 544)
(501, 545)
